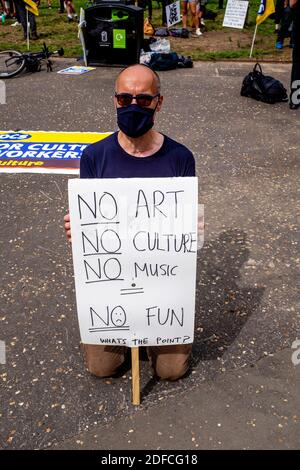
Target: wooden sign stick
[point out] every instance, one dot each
(135, 371)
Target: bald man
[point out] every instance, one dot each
(295, 75)
(136, 151)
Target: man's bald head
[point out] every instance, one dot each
(139, 77)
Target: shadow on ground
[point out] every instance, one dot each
(222, 307)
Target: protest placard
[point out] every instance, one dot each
(235, 14)
(134, 245)
(173, 13)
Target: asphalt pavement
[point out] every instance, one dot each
(241, 391)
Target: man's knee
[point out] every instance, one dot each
(102, 370)
(170, 372)
(103, 361)
(170, 362)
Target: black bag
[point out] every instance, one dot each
(161, 32)
(263, 87)
(146, 44)
(180, 33)
(161, 61)
(210, 15)
(185, 62)
(33, 64)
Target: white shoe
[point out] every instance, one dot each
(198, 32)
(15, 24)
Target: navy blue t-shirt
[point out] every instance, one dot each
(107, 159)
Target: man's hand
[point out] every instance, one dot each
(67, 226)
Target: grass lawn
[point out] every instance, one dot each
(216, 44)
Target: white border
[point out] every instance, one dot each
(40, 170)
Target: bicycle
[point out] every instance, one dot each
(13, 62)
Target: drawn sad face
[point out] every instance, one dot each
(118, 316)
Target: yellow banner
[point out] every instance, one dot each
(32, 7)
(52, 136)
(32, 11)
(266, 8)
(44, 152)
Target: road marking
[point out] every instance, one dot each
(2, 352)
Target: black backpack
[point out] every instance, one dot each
(180, 33)
(185, 62)
(161, 32)
(263, 87)
(161, 61)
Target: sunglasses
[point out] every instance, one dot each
(125, 99)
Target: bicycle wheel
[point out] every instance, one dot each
(11, 63)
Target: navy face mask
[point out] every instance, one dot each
(134, 120)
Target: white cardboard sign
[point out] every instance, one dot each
(235, 14)
(134, 245)
(173, 14)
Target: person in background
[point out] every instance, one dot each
(295, 75)
(7, 8)
(17, 16)
(192, 6)
(71, 13)
(285, 13)
(278, 14)
(144, 4)
(22, 13)
(61, 6)
(201, 12)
